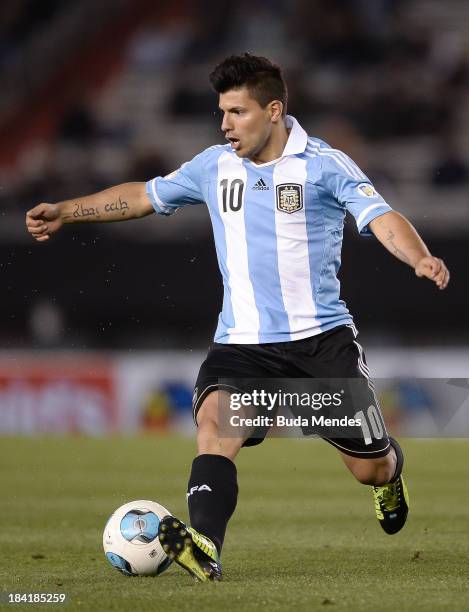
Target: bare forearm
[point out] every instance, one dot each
(126, 201)
(400, 237)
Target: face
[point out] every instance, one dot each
(246, 125)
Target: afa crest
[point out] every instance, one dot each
(289, 197)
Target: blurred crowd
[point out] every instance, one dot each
(19, 21)
(364, 72)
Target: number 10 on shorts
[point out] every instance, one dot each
(371, 423)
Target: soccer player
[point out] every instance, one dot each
(277, 200)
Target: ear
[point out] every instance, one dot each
(275, 110)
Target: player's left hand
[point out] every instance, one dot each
(434, 269)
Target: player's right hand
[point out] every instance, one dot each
(43, 220)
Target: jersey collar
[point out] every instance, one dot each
(297, 139)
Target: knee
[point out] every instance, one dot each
(207, 430)
(207, 427)
(372, 477)
(209, 437)
(207, 417)
(374, 472)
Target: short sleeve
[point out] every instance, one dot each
(352, 188)
(180, 188)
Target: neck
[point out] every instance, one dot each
(274, 146)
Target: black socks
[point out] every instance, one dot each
(212, 493)
(399, 456)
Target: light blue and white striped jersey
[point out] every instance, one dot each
(278, 230)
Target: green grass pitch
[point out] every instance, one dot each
(304, 536)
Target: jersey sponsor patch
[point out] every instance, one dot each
(367, 190)
(289, 197)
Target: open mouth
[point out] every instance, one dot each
(234, 143)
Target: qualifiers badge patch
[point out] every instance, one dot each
(289, 197)
(367, 190)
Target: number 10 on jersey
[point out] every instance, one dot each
(232, 194)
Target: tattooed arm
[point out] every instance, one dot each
(126, 201)
(401, 239)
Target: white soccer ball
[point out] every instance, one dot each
(130, 539)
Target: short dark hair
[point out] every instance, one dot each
(263, 79)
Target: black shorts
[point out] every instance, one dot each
(334, 354)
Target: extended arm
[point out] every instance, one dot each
(126, 201)
(401, 239)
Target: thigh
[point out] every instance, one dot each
(338, 360)
(372, 441)
(229, 368)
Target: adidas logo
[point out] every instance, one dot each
(260, 186)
